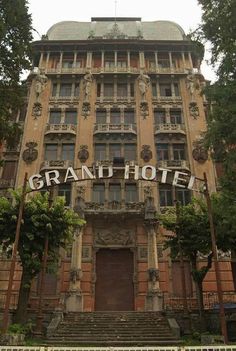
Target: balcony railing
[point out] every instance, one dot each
(115, 128)
(169, 128)
(175, 164)
(61, 128)
(114, 206)
(64, 70)
(56, 164)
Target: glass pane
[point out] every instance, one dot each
(114, 151)
(122, 90)
(154, 89)
(175, 117)
(51, 152)
(160, 116)
(162, 152)
(99, 193)
(54, 89)
(55, 117)
(179, 151)
(65, 90)
(114, 192)
(108, 90)
(100, 152)
(101, 116)
(176, 86)
(165, 90)
(131, 194)
(65, 191)
(165, 194)
(184, 196)
(67, 64)
(130, 152)
(129, 117)
(71, 117)
(68, 151)
(115, 117)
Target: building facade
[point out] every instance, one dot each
(117, 92)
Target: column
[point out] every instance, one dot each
(156, 59)
(41, 60)
(128, 60)
(115, 59)
(47, 61)
(183, 60)
(190, 60)
(60, 62)
(74, 299)
(102, 63)
(75, 60)
(171, 62)
(141, 60)
(89, 60)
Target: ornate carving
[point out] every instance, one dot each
(114, 236)
(115, 33)
(192, 84)
(153, 275)
(83, 154)
(194, 110)
(40, 83)
(75, 275)
(199, 152)
(144, 109)
(143, 84)
(29, 155)
(37, 110)
(86, 108)
(147, 191)
(88, 79)
(150, 209)
(146, 153)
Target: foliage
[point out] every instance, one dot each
(15, 53)
(39, 219)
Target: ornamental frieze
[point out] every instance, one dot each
(30, 154)
(114, 237)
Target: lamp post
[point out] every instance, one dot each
(216, 262)
(14, 257)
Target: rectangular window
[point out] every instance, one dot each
(65, 90)
(164, 63)
(165, 90)
(175, 117)
(54, 89)
(121, 64)
(114, 151)
(179, 152)
(129, 117)
(99, 152)
(77, 87)
(159, 116)
(176, 87)
(108, 89)
(68, 152)
(99, 193)
(9, 170)
(67, 63)
(130, 152)
(50, 152)
(183, 196)
(162, 152)
(166, 196)
(114, 192)
(55, 117)
(65, 191)
(132, 89)
(109, 64)
(131, 194)
(176, 274)
(154, 89)
(122, 90)
(101, 116)
(71, 117)
(115, 117)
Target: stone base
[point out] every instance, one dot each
(154, 301)
(74, 302)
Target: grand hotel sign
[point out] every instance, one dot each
(146, 173)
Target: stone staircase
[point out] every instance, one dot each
(113, 328)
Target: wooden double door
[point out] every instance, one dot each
(114, 289)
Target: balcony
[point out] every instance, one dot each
(166, 70)
(114, 207)
(95, 70)
(7, 183)
(64, 70)
(174, 164)
(115, 128)
(60, 129)
(56, 164)
(170, 128)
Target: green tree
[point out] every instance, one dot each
(15, 53)
(39, 219)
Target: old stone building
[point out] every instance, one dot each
(118, 92)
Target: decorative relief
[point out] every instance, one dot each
(194, 110)
(29, 155)
(88, 79)
(143, 84)
(192, 84)
(144, 109)
(37, 110)
(146, 153)
(83, 154)
(75, 275)
(115, 33)
(86, 108)
(40, 83)
(86, 253)
(153, 275)
(142, 253)
(115, 236)
(199, 152)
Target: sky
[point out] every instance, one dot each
(187, 13)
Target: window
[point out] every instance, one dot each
(177, 280)
(65, 191)
(131, 194)
(132, 89)
(184, 196)
(122, 89)
(77, 86)
(54, 89)
(121, 64)
(114, 192)
(68, 152)
(164, 63)
(154, 89)
(130, 152)
(176, 87)
(101, 116)
(109, 64)
(175, 117)
(114, 151)
(108, 89)
(165, 90)
(165, 194)
(162, 152)
(65, 89)
(129, 117)
(51, 152)
(71, 117)
(115, 117)
(152, 64)
(9, 170)
(100, 152)
(99, 193)
(55, 117)
(179, 151)
(67, 63)
(159, 116)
